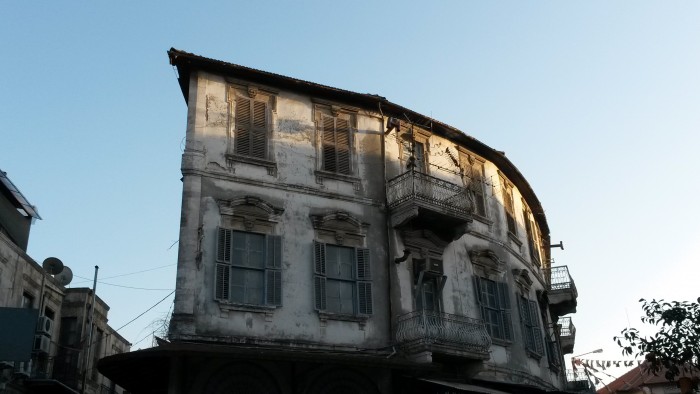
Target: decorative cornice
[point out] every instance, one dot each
(488, 260)
(325, 220)
(228, 207)
(523, 280)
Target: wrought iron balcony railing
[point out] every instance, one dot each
(559, 278)
(462, 332)
(567, 327)
(420, 187)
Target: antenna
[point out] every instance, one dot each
(65, 276)
(52, 265)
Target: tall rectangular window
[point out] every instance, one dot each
(494, 302)
(474, 182)
(251, 126)
(532, 236)
(342, 281)
(336, 141)
(532, 333)
(248, 269)
(508, 205)
(418, 155)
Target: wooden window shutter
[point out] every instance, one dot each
(328, 148)
(336, 137)
(273, 257)
(479, 300)
(273, 287)
(320, 275)
(222, 285)
(258, 146)
(364, 286)
(536, 331)
(273, 273)
(364, 294)
(223, 245)
(504, 305)
(477, 187)
(342, 145)
(242, 139)
(363, 267)
(251, 127)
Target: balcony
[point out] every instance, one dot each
(567, 335)
(578, 381)
(428, 335)
(562, 291)
(429, 202)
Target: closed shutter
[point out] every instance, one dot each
(336, 144)
(273, 273)
(480, 301)
(477, 187)
(342, 145)
(243, 123)
(223, 245)
(258, 146)
(320, 275)
(364, 286)
(364, 291)
(504, 305)
(328, 148)
(525, 323)
(222, 285)
(251, 127)
(536, 331)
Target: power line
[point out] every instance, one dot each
(144, 312)
(130, 273)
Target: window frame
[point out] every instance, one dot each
(501, 308)
(251, 94)
(472, 164)
(533, 238)
(272, 269)
(419, 136)
(509, 206)
(361, 278)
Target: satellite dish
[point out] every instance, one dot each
(53, 265)
(65, 276)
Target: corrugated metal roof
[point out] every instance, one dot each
(17, 197)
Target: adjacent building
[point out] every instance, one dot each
(336, 242)
(44, 326)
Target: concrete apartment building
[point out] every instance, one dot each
(43, 320)
(336, 242)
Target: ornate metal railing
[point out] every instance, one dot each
(559, 278)
(578, 381)
(414, 185)
(567, 327)
(443, 328)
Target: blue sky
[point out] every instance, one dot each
(596, 102)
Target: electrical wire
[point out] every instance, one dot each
(144, 312)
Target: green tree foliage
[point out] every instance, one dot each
(676, 345)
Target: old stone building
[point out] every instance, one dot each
(336, 242)
(44, 326)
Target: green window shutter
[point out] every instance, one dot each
(536, 331)
(525, 323)
(320, 275)
(320, 258)
(222, 285)
(273, 273)
(273, 287)
(504, 305)
(364, 295)
(480, 302)
(273, 257)
(243, 125)
(363, 266)
(320, 292)
(223, 245)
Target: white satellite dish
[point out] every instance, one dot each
(65, 276)
(52, 265)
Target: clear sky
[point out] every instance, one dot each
(596, 102)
